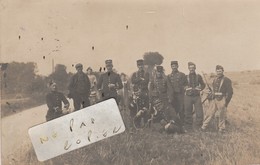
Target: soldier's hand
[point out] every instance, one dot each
(111, 85)
(142, 79)
(66, 106)
(198, 88)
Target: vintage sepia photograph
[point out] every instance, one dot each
(133, 82)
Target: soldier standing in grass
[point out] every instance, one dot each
(140, 79)
(109, 83)
(219, 99)
(192, 98)
(179, 83)
(160, 86)
(54, 101)
(79, 88)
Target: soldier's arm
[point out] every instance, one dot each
(119, 82)
(71, 83)
(169, 89)
(201, 82)
(229, 91)
(49, 102)
(64, 100)
(135, 79)
(184, 81)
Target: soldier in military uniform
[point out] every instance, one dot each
(179, 83)
(140, 79)
(162, 112)
(160, 86)
(192, 98)
(219, 99)
(138, 106)
(54, 101)
(109, 83)
(79, 88)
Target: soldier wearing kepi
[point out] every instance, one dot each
(179, 83)
(140, 79)
(160, 86)
(192, 98)
(79, 88)
(219, 99)
(163, 113)
(54, 101)
(138, 106)
(109, 83)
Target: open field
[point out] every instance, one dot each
(240, 145)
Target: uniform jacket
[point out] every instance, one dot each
(109, 78)
(161, 87)
(194, 80)
(178, 81)
(79, 85)
(138, 82)
(223, 85)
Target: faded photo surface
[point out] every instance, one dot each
(185, 76)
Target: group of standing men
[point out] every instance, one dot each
(167, 99)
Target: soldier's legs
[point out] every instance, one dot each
(188, 107)
(209, 114)
(85, 101)
(76, 102)
(180, 100)
(199, 111)
(222, 114)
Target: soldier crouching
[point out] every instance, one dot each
(54, 101)
(165, 114)
(138, 107)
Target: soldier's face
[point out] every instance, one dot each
(192, 68)
(219, 72)
(54, 87)
(89, 71)
(140, 67)
(79, 69)
(174, 67)
(109, 67)
(159, 74)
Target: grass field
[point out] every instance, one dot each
(240, 145)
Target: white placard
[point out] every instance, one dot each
(76, 130)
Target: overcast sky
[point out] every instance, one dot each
(205, 32)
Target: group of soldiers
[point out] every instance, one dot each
(169, 100)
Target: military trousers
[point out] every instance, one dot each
(218, 109)
(80, 99)
(189, 103)
(178, 105)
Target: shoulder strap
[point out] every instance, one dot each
(221, 83)
(188, 78)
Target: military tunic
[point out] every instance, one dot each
(106, 79)
(54, 102)
(137, 81)
(137, 103)
(79, 88)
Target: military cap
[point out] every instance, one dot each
(219, 67)
(140, 62)
(174, 62)
(89, 68)
(191, 63)
(79, 65)
(159, 68)
(109, 62)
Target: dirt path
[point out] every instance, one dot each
(15, 128)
